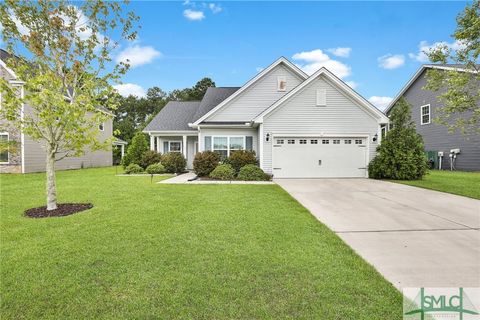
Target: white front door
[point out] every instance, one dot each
(315, 157)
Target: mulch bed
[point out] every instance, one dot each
(63, 209)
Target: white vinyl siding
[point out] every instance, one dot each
(258, 97)
(301, 116)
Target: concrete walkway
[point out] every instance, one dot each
(183, 179)
(414, 237)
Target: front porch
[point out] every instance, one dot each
(185, 142)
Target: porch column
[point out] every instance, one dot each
(123, 150)
(158, 144)
(184, 146)
(152, 143)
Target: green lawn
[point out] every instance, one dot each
(150, 251)
(462, 183)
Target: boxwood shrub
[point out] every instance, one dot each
(149, 157)
(155, 168)
(204, 162)
(133, 168)
(240, 158)
(223, 172)
(174, 162)
(251, 172)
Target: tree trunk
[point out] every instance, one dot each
(51, 184)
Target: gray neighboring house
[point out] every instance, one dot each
(299, 126)
(28, 155)
(436, 137)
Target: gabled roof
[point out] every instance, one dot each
(175, 116)
(370, 108)
(281, 60)
(4, 56)
(449, 67)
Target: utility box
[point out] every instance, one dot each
(432, 158)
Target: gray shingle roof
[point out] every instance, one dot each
(176, 115)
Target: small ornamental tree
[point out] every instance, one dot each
(401, 154)
(61, 58)
(136, 150)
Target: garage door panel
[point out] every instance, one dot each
(319, 160)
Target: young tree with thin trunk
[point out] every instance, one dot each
(62, 57)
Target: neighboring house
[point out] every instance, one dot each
(28, 155)
(299, 126)
(436, 137)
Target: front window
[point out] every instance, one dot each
(4, 148)
(225, 145)
(175, 146)
(425, 114)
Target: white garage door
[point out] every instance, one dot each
(314, 157)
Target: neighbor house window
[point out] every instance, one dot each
(281, 83)
(303, 141)
(174, 146)
(101, 126)
(225, 145)
(425, 114)
(314, 141)
(4, 154)
(325, 141)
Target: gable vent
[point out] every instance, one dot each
(321, 97)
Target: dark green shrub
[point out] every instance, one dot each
(205, 162)
(136, 150)
(223, 172)
(251, 172)
(240, 158)
(133, 168)
(174, 162)
(401, 154)
(155, 168)
(150, 157)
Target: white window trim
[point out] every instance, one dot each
(429, 114)
(228, 143)
(175, 141)
(8, 151)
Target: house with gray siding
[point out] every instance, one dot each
(299, 126)
(448, 150)
(26, 155)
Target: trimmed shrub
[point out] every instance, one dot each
(401, 155)
(174, 162)
(136, 150)
(240, 158)
(205, 162)
(150, 157)
(155, 168)
(251, 172)
(223, 172)
(133, 168)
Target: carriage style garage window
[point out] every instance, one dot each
(303, 141)
(280, 141)
(325, 141)
(314, 141)
(358, 141)
(425, 114)
(291, 141)
(348, 141)
(225, 145)
(4, 154)
(336, 141)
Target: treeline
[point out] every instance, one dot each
(134, 113)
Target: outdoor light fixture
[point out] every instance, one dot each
(375, 137)
(267, 137)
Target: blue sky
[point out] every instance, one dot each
(380, 42)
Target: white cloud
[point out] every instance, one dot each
(216, 8)
(424, 47)
(343, 52)
(391, 61)
(193, 15)
(137, 55)
(352, 84)
(315, 59)
(380, 102)
(127, 89)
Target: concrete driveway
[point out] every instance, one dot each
(414, 237)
